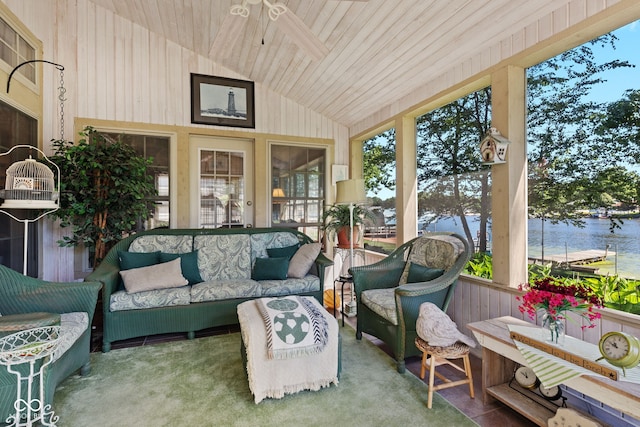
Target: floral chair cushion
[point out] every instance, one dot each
(435, 252)
(72, 326)
(382, 302)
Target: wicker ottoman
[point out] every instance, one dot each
(273, 378)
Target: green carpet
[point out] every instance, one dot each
(202, 382)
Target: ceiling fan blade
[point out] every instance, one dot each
(301, 35)
(231, 28)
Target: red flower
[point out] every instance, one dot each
(555, 297)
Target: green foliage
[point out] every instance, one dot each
(336, 217)
(480, 265)
(379, 161)
(104, 190)
(617, 292)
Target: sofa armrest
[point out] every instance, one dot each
(23, 294)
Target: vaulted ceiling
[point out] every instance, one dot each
(345, 59)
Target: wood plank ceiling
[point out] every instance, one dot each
(378, 50)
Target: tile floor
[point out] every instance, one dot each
(494, 414)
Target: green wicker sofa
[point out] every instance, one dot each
(27, 302)
(225, 260)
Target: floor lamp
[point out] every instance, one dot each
(351, 192)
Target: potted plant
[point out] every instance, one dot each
(104, 191)
(335, 220)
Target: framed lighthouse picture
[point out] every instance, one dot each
(222, 101)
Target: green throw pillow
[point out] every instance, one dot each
(189, 264)
(131, 260)
(270, 269)
(419, 273)
(286, 252)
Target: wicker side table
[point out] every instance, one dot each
(33, 347)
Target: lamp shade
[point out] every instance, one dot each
(350, 191)
(277, 192)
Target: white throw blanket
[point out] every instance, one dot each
(273, 378)
(295, 326)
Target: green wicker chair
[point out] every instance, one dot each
(388, 306)
(25, 303)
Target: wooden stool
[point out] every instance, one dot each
(436, 356)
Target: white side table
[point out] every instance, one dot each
(30, 346)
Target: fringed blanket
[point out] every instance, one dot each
(295, 326)
(273, 378)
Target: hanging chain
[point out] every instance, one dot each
(61, 97)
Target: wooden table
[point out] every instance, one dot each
(500, 356)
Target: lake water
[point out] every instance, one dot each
(562, 238)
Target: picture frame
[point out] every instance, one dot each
(222, 101)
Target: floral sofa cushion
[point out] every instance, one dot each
(174, 244)
(435, 252)
(121, 300)
(222, 257)
(274, 288)
(225, 289)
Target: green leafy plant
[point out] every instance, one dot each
(104, 190)
(336, 217)
(480, 265)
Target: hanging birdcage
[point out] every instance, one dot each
(29, 185)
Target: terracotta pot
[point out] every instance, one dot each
(343, 237)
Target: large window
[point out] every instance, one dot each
(17, 128)
(156, 148)
(583, 129)
(14, 50)
(454, 186)
(297, 187)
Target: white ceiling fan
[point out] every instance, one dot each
(285, 19)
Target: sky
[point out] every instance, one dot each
(619, 80)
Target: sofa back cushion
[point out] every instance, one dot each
(278, 239)
(175, 244)
(224, 256)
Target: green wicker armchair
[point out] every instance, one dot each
(25, 303)
(389, 293)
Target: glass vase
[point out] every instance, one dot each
(554, 330)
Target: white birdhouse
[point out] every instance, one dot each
(493, 147)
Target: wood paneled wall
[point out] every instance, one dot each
(117, 70)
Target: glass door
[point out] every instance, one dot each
(221, 182)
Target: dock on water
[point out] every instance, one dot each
(575, 260)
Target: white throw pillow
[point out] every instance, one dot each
(303, 259)
(159, 276)
(437, 329)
